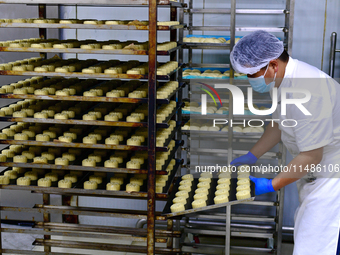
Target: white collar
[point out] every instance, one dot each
(290, 68)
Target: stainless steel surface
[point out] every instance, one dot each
(227, 230)
(239, 29)
(89, 211)
(78, 234)
(289, 23)
(103, 247)
(238, 11)
(332, 54)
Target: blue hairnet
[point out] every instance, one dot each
(254, 51)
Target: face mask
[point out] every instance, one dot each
(259, 83)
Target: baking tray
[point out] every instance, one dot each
(88, 26)
(164, 124)
(130, 3)
(210, 202)
(76, 165)
(85, 51)
(78, 190)
(95, 76)
(79, 144)
(94, 99)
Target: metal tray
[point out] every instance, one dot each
(95, 76)
(164, 124)
(93, 99)
(76, 165)
(210, 202)
(84, 51)
(78, 143)
(77, 188)
(144, 3)
(88, 26)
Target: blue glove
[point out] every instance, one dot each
(248, 159)
(262, 185)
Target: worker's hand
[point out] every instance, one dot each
(248, 159)
(262, 185)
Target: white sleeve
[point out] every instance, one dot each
(316, 130)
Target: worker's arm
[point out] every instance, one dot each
(270, 137)
(297, 168)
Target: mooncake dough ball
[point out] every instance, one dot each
(20, 159)
(198, 203)
(48, 155)
(113, 186)
(184, 188)
(61, 161)
(111, 163)
(24, 181)
(133, 165)
(112, 140)
(188, 177)
(202, 190)
(178, 207)
(220, 199)
(61, 116)
(65, 139)
(199, 196)
(65, 184)
(224, 180)
(181, 200)
(40, 160)
(204, 179)
(42, 138)
(90, 140)
(40, 115)
(243, 194)
(243, 182)
(182, 193)
(44, 182)
(205, 185)
(89, 162)
(4, 180)
(119, 180)
(132, 187)
(89, 117)
(32, 175)
(20, 136)
(52, 176)
(222, 192)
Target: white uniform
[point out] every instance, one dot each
(317, 219)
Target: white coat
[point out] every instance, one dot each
(317, 220)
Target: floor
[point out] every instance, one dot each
(22, 241)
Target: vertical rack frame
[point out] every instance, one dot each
(288, 41)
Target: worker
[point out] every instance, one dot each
(315, 140)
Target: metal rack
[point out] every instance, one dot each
(333, 52)
(47, 228)
(234, 225)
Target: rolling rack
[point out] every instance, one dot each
(148, 192)
(228, 224)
